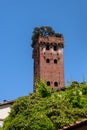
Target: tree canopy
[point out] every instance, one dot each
(44, 31)
(47, 110)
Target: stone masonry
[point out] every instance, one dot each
(49, 61)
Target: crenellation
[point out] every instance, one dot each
(50, 40)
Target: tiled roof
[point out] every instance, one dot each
(6, 102)
(76, 125)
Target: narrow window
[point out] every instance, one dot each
(56, 84)
(35, 69)
(55, 61)
(47, 61)
(48, 83)
(55, 48)
(47, 47)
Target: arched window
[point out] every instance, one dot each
(55, 48)
(47, 60)
(56, 84)
(48, 83)
(55, 61)
(47, 47)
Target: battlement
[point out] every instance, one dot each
(51, 40)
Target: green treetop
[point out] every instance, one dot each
(44, 31)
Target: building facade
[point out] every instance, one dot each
(5, 108)
(49, 61)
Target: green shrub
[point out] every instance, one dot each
(43, 89)
(84, 90)
(46, 110)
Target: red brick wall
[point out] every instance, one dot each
(49, 71)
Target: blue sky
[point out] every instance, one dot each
(17, 20)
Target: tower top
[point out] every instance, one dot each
(46, 33)
(48, 57)
(51, 41)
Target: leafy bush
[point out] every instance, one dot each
(75, 97)
(43, 89)
(46, 110)
(84, 90)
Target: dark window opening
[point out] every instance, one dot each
(55, 61)
(48, 83)
(44, 53)
(55, 48)
(47, 61)
(38, 62)
(47, 47)
(55, 83)
(35, 69)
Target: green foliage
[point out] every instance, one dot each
(75, 97)
(84, 89)
(46, 110)
(75, 84)
(44, 31)
(43, 89)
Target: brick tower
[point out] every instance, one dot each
(49, 61)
